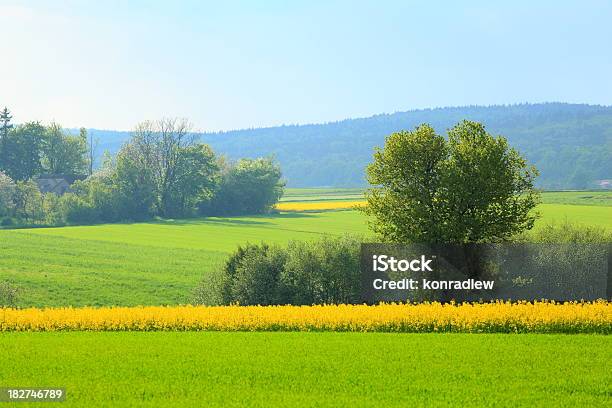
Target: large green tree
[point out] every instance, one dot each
(249, 186)
(470, 188)
(195, 178)
(23, 144)
(164, 170)
(64, 153)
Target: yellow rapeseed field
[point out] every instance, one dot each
(504, 317)
(319, 206)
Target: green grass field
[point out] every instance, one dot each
(578, 214)
(311, 369)
(142, 264)
(599, 197)
(321, 194)
(603, 198)
(161, 262)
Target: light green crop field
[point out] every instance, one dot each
(598, 197)
(579, 214)
(322, 194)
(603, 198)
(161, 262)
(311, 369)
(143, 264)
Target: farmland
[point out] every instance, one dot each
(311, 369)
(147, 263)
(600, 197)
(160, 262)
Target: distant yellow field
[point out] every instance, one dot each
(319, 206)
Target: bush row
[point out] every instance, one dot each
(325, 271)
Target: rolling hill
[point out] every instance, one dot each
(571, 144)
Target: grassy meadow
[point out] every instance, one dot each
(598, 197)
(159, 263)
(311, 369)
(148, 263)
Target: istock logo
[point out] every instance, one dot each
(384, 263)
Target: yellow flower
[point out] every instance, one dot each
(320, 206)
(541, 317)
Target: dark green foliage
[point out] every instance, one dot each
(550, 267)
(250, 186)
(5, 127)
(322, 272)
(76, 210)
(325, 271)
(195, 178)
(165, 171)
(134, 185)
(7, 222)
(30, 149)
(5, 122)
(63, 153)
(567, 232)
(28, 202)
(471, 188)
(256, 280)
(233, 263)
(162, 171)
(22, 146)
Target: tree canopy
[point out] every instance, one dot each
(470, 188)
(163, 170)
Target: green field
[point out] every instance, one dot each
(142, 264)
(603, 198)
(599, 197)
(322, 194)
(311, 369)
(578, 214)
(161, 262)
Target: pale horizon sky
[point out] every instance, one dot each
(254, 64)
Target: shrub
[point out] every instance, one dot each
(249, 186)
(7, 193)
(323, 271)
(8, 295)
(257, 276)
(76, 210)
(7, 222)
(231, 266)
(28, 202)
(52, 209)
(568, 232)
(210, 290)
(549, 266)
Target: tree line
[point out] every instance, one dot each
(161, 171)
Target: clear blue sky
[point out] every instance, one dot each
(249, 64)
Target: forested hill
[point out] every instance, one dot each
(570, 144)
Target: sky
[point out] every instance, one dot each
(112, 64)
